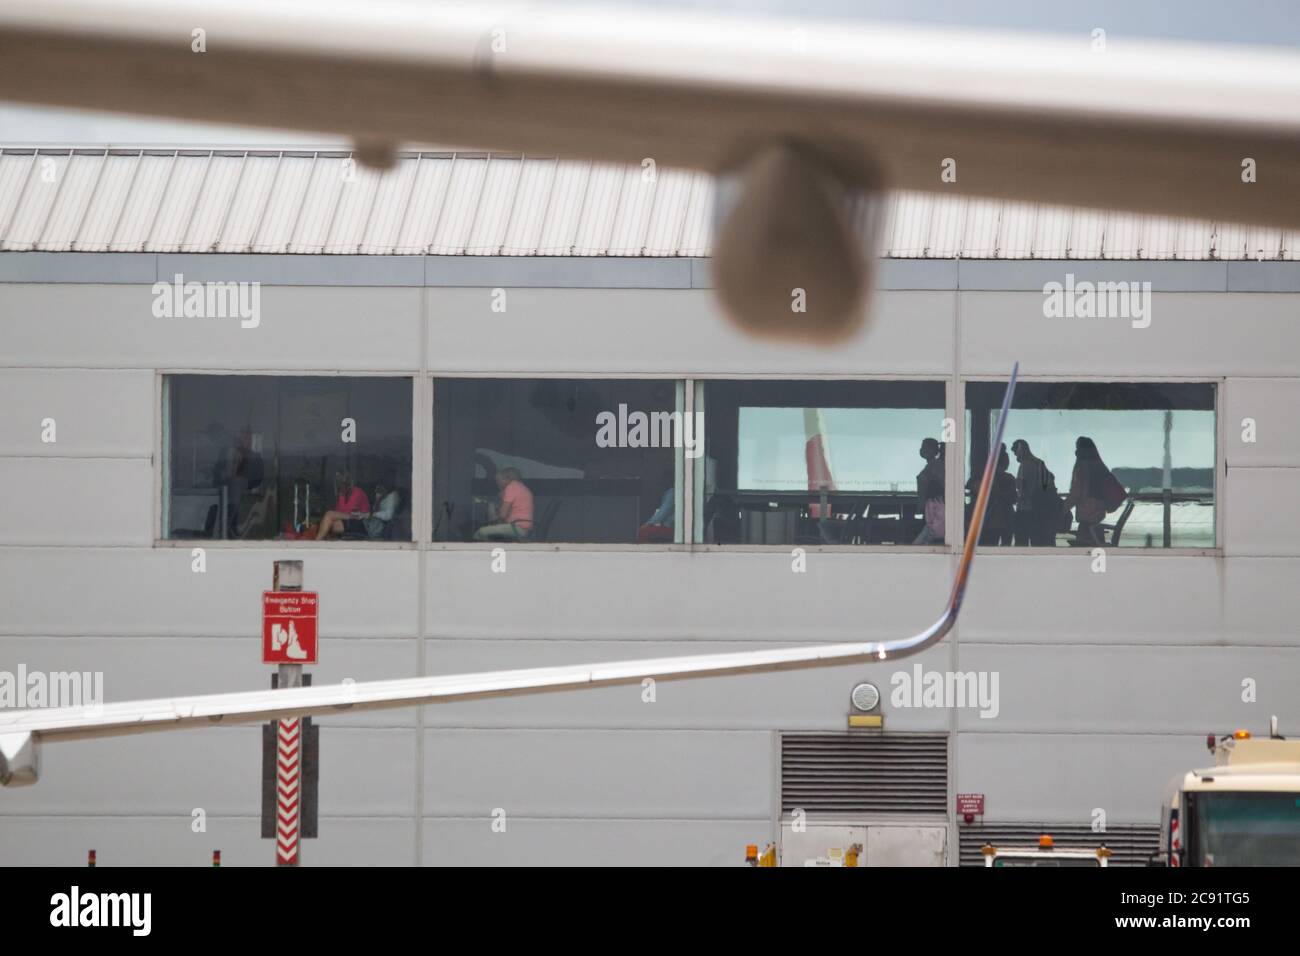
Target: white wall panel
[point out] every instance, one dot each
(1262, 512)
(1261, 600)
(97, 413)
(154, 592)
(669, 331)
(1059, 599)
(638, 843)
(170, 841)
(1273, 404)
(598, 773)
(65, 501)
(1158, 690)
(1203, 334)
(664, 594)
(301, 328)
(1059, 777)
(363, 771)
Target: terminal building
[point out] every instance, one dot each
(202, 352)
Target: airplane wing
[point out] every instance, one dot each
(807, 116)
(21, 732)
(1140, 125)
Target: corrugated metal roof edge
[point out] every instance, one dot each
(900, 242)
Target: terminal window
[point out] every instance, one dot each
(279, 457)
(822, 463)
(550, 460)
(1097, 464)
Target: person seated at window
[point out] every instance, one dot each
(351, 507)
(511, 518)
(377, 522)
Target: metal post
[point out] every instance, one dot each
(289, 744)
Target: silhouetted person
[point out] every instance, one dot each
(1037, 504)
(240, 471)
(929, 492)
(1087, 495)
(998, 519)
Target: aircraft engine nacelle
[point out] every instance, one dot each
(793, 246)
(19, 760)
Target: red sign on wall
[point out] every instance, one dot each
(970, 804)
(289, 627)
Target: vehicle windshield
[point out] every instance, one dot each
(1248, 829)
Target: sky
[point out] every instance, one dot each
(1274, 23)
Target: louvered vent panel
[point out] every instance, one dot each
(1131, 845)
(857, 773)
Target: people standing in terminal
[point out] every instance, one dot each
(1002, 503)
(352, 506)
(929, 492)
(1037, 502)
(1087, 492)
(512, 516)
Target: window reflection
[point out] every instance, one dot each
(262, 457)
(558, 460)
(814, 463)
(1098, 464)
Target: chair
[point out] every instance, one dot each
(1111, 532)
(542, 526)
(1117, 528)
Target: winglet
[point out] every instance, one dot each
(982, 498)
(937, 630)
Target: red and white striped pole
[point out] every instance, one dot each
(288, 791)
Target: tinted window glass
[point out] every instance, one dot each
(792, 462)
(1113, 464)
(558, 460)
(263, 457)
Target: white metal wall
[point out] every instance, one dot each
(1108, 683)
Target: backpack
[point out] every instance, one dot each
(1113, 494)
(1050, 502)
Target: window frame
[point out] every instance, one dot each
(429, 544)
(957, 511)
(161, 456)
(423, 420)
(901, 378)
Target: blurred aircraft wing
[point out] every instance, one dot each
(21, 732)
(1161, 128)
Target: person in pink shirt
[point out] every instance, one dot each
(514, 511)
(352, 506)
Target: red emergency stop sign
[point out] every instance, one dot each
(289, 627)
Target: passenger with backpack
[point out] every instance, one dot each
(1038, 504)
(1094, 491)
